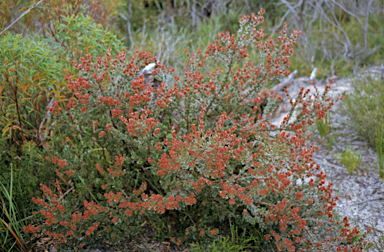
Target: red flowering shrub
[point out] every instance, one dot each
(191, 153)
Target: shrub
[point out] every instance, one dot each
(47, 13)
(32, 72)
(78, 35)
(234, 243)
(29, 72)
(365, 107)
(380, 151)
(350, 159)
(189, 149)
(27, 174)
(13, 214)
(323, 127)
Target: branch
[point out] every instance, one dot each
(293, 10)
(280, 87)
(313, 74)
(123, 17)
(128, 20)
(66, 193)
(349, 12)
(46, 117)
(369, 200)
(281, 23)
(365, 29)
(22, 15)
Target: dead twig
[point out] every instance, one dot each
(19, 243)
(22, 15)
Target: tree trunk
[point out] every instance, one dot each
(129, 34)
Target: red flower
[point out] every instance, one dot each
(299, 195)
(213, 232)
(61, 208)
(64, 223)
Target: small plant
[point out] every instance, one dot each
(323, 126)
(365, 107)
(350, 159)
(20, 176)
(380, 150)
(324, 129)
(234, 243)
(331, 141)
(11, 227)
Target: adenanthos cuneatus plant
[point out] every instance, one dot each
(189, 149)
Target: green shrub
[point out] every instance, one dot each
(365, 107)
(13, 215)
(40, 19)
(28, 172)
(78, 35)
(380, 150)
(30, 73)
(350, 159)
(324, 126)
(234, 243)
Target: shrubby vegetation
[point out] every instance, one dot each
(209, 163)
(110, 152)
(365, 106)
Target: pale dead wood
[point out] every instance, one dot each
(22, 15)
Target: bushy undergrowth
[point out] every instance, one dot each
(150, 34)
(32, 73)
(77, 35)
(189, 153)
(350, 159)
(29, 72)
(365, 108)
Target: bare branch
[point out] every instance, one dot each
(123, 17)
(281, 22)
(313, 74)
(129, 34)
(348, 11)
(293, 10)
(22, 15)
(366, 23)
